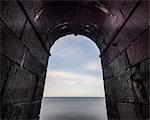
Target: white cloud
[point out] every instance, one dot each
(94, 65)
(70, 75)
(62, 83)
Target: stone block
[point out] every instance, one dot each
(109, 54)
(33, 44)
(40, 82)
(119, 88)
(103, 45)
(127, 7)
(146, 111)
(139, 20)
(32, 8)
(123, 88)
(20, 85)
(123, 39)
(16, 111)
(115, 26)
(139, 50)
(140, 73)
(37, 14)
(100, 39)
(33, 64)
(106, 26)
(130, 111)
(118, 64)
(4, 70)
(112, 110)
(13, 16)
(11, 46)
(108, 72)
(115, 6)
(144, 67)
(35, 112)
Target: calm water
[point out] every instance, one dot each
(73, 109)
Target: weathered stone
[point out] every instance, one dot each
(32, 8)
(35, 112)
(32, 42)
(115, 7)
(118, 64)
(130, 111)
(139, 20)
(15, 111)
(116, 24)
(127, 7)
(142, 43)
(145, 111)
(125, 89)
(40, 82)
(122, 40)
(109, 55)
(10, 9)
(11, 46)
(33, 64)
(4, 69)
(100, 39)
(112, 110)
(20, 85)
(121, 90)
(37, 14)
(144, 67)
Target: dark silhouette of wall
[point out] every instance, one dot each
(120, 29)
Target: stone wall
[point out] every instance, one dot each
(125, 54)
(28, 30)
(23, 65)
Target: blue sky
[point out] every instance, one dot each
(74, 69)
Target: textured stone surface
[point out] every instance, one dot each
(35, 112)
(145, 71)
(109, 55)
(127, 7)
(117, 66)
(130, 111)
(20, 85)
(16, 111)
(142, 43)
(33, 64)
(139, 20)
(11, 46)
(4, 69)
(115, 25)
(145, 111)
(121, 90)
(10, 9)
(37, 15)
(32, 42)
(125, 89)
(112, 110)
(40, 82)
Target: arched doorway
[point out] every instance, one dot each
(119, 28)
(74, 84)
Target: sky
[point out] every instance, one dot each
(74, 69)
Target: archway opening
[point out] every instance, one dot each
(74, 86)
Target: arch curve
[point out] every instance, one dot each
(89, 30)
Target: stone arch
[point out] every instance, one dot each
(119, 28)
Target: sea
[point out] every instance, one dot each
(73, 108)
